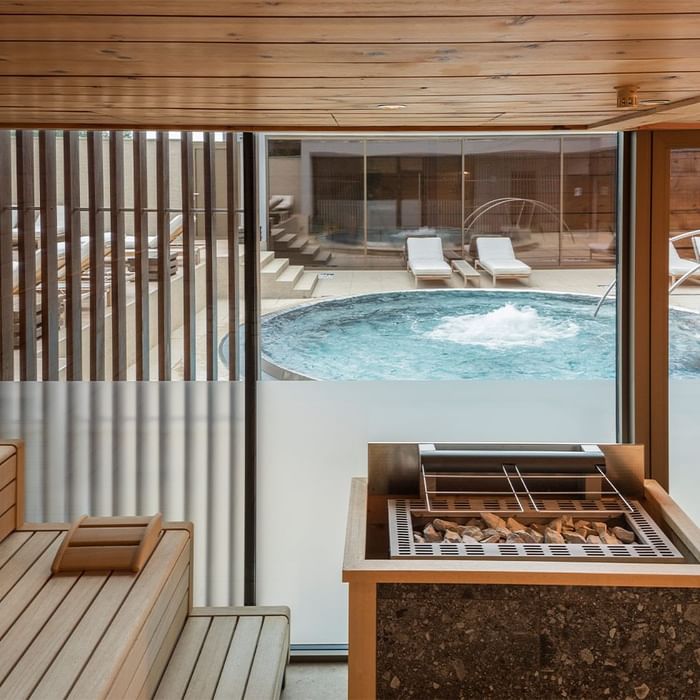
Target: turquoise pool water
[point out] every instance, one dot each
(459, 334)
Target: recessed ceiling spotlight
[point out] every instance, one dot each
(391, 106)
(651, 102)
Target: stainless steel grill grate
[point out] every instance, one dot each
(652, 544)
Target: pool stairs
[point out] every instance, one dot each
(281, 280)
(289, 238)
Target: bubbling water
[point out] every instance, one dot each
(508, 326)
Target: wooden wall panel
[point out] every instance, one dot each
(339, 8)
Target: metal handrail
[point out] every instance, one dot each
(609, 289)
(690, 273)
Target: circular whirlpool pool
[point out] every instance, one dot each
(458, 334)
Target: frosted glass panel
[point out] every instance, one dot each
(137, 448)
(684, 451)
(313, 440)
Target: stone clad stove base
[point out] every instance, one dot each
(517, 642)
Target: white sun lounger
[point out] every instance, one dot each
(175, 231)
(496, 256)
(678, 266)
(426, 260)
(61, 262)
(60, 224)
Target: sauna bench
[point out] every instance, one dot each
(120, 634)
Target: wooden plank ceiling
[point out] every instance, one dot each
(328, 64)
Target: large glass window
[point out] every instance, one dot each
(521, 354)
(684, 327)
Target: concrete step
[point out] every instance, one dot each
(291, 275)
(311, 249)
(276, 232)
(274, 268)
(266, 257)
(323, 257)
(304, 288)
(286, 240)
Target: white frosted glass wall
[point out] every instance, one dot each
(313, 440)
(684, 446)
(128, 448)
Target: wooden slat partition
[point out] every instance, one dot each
(118, 281)
(189, 301)
(24, 144)
(99, 250)
(232, 244)
(163, 228)
(71, 203)
(97, 261)
(210, 249)
(7, 336)
(49, 256)
(142, 329)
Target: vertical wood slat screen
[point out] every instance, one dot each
(210, 252)
(76, 284)
(163, 244)
(118, 281)
(7, 351)
(97, 261)
(188, 287)
(49, 255)
(24, 146)
(142, 315)
(232, 245)
(71, 204)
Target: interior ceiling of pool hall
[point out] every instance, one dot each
(304, 64)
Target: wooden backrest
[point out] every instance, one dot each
(11, 486)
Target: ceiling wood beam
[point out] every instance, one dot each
(682, 110)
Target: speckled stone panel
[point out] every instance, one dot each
(537, 642)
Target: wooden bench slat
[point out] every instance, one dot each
(135, 669)
(11, 544)
(169, 642)
(234, 675)
(241, 611)
(29, 623)
(177, 675)
(16, 567)
(8, 472)
(119, 638)
(74, 654)
(7, 496)
(31, 667)
(7, 452)
(27, 586)
(8, 522)
(206, 673)
(267, 672)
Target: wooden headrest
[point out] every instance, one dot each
(108, 544)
